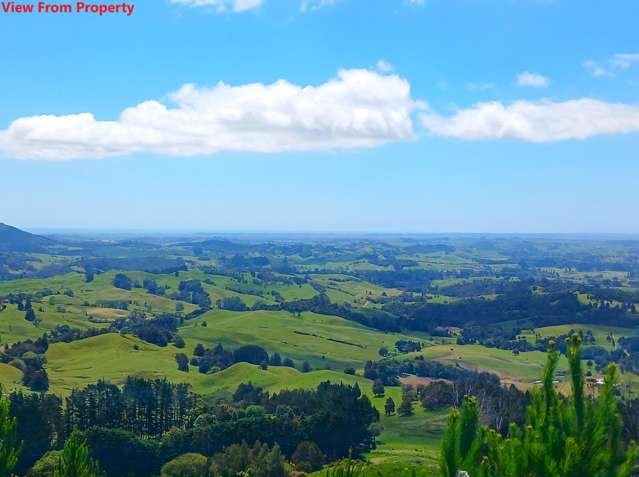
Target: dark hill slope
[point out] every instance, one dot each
(16, 240)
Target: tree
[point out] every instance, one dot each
(389, 407)
(199, 350)
(256, 461)
(186, 465)
(182, 361)
(30, 315)
(122, 281)
(406, 407)
(75, 460)
(308, 457)
(251, 354)
(40, 424)
(378, 388)
(9, 447)
(306, 367)
(562, 437)
(276, 360)
(383, 351)
(288, 362)
(178, 341)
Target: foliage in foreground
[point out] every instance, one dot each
(577, 437)
(9, 448)
(76, 461)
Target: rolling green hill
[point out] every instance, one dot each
(319, 339)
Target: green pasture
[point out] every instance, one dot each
(319, 339)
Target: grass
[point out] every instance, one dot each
(599, 332)
(11, 378)
(410, 440)
(13, 326)
(319, 339)
(114, 357)
(522, 369)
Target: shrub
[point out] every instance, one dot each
(308, 457)
(186, 465)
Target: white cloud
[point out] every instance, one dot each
(480, 87)
(623, 61)
(384, 66)
(617, 63)
(310, 5)
(358, 108)
(532, 80)
(222, 5)
(596, 69)
(540, 121)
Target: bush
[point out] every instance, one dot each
(46, 465)
(308, 457)
(186, 465)
(178, 341)
(123, 453)
(251, 354)
(122, 281)
(256, 461)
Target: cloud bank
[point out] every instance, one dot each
(357, 109)
(540, 121)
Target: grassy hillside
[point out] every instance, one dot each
(319, 339)
(114, 357)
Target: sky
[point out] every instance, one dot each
(503, 116)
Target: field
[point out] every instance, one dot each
(321, 340)
(523, 369)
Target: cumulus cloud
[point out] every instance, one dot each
(532, 80)
(357, 109)
(540, 121)
(222, 5)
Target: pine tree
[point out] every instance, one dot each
(9, 448)
(406, 407)
(389, 407)
(75, 460)
(378, 387)
(577, 437)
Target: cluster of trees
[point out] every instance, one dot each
(147, 408)
(140, 429)
(217, 358)
(160, 330)
(192, 291)
(67, 334)
(390, 370)
(538, 309)
(408, 346)
(28, 357)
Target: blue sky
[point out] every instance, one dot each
(482, 116)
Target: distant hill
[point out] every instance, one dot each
(16, 240)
